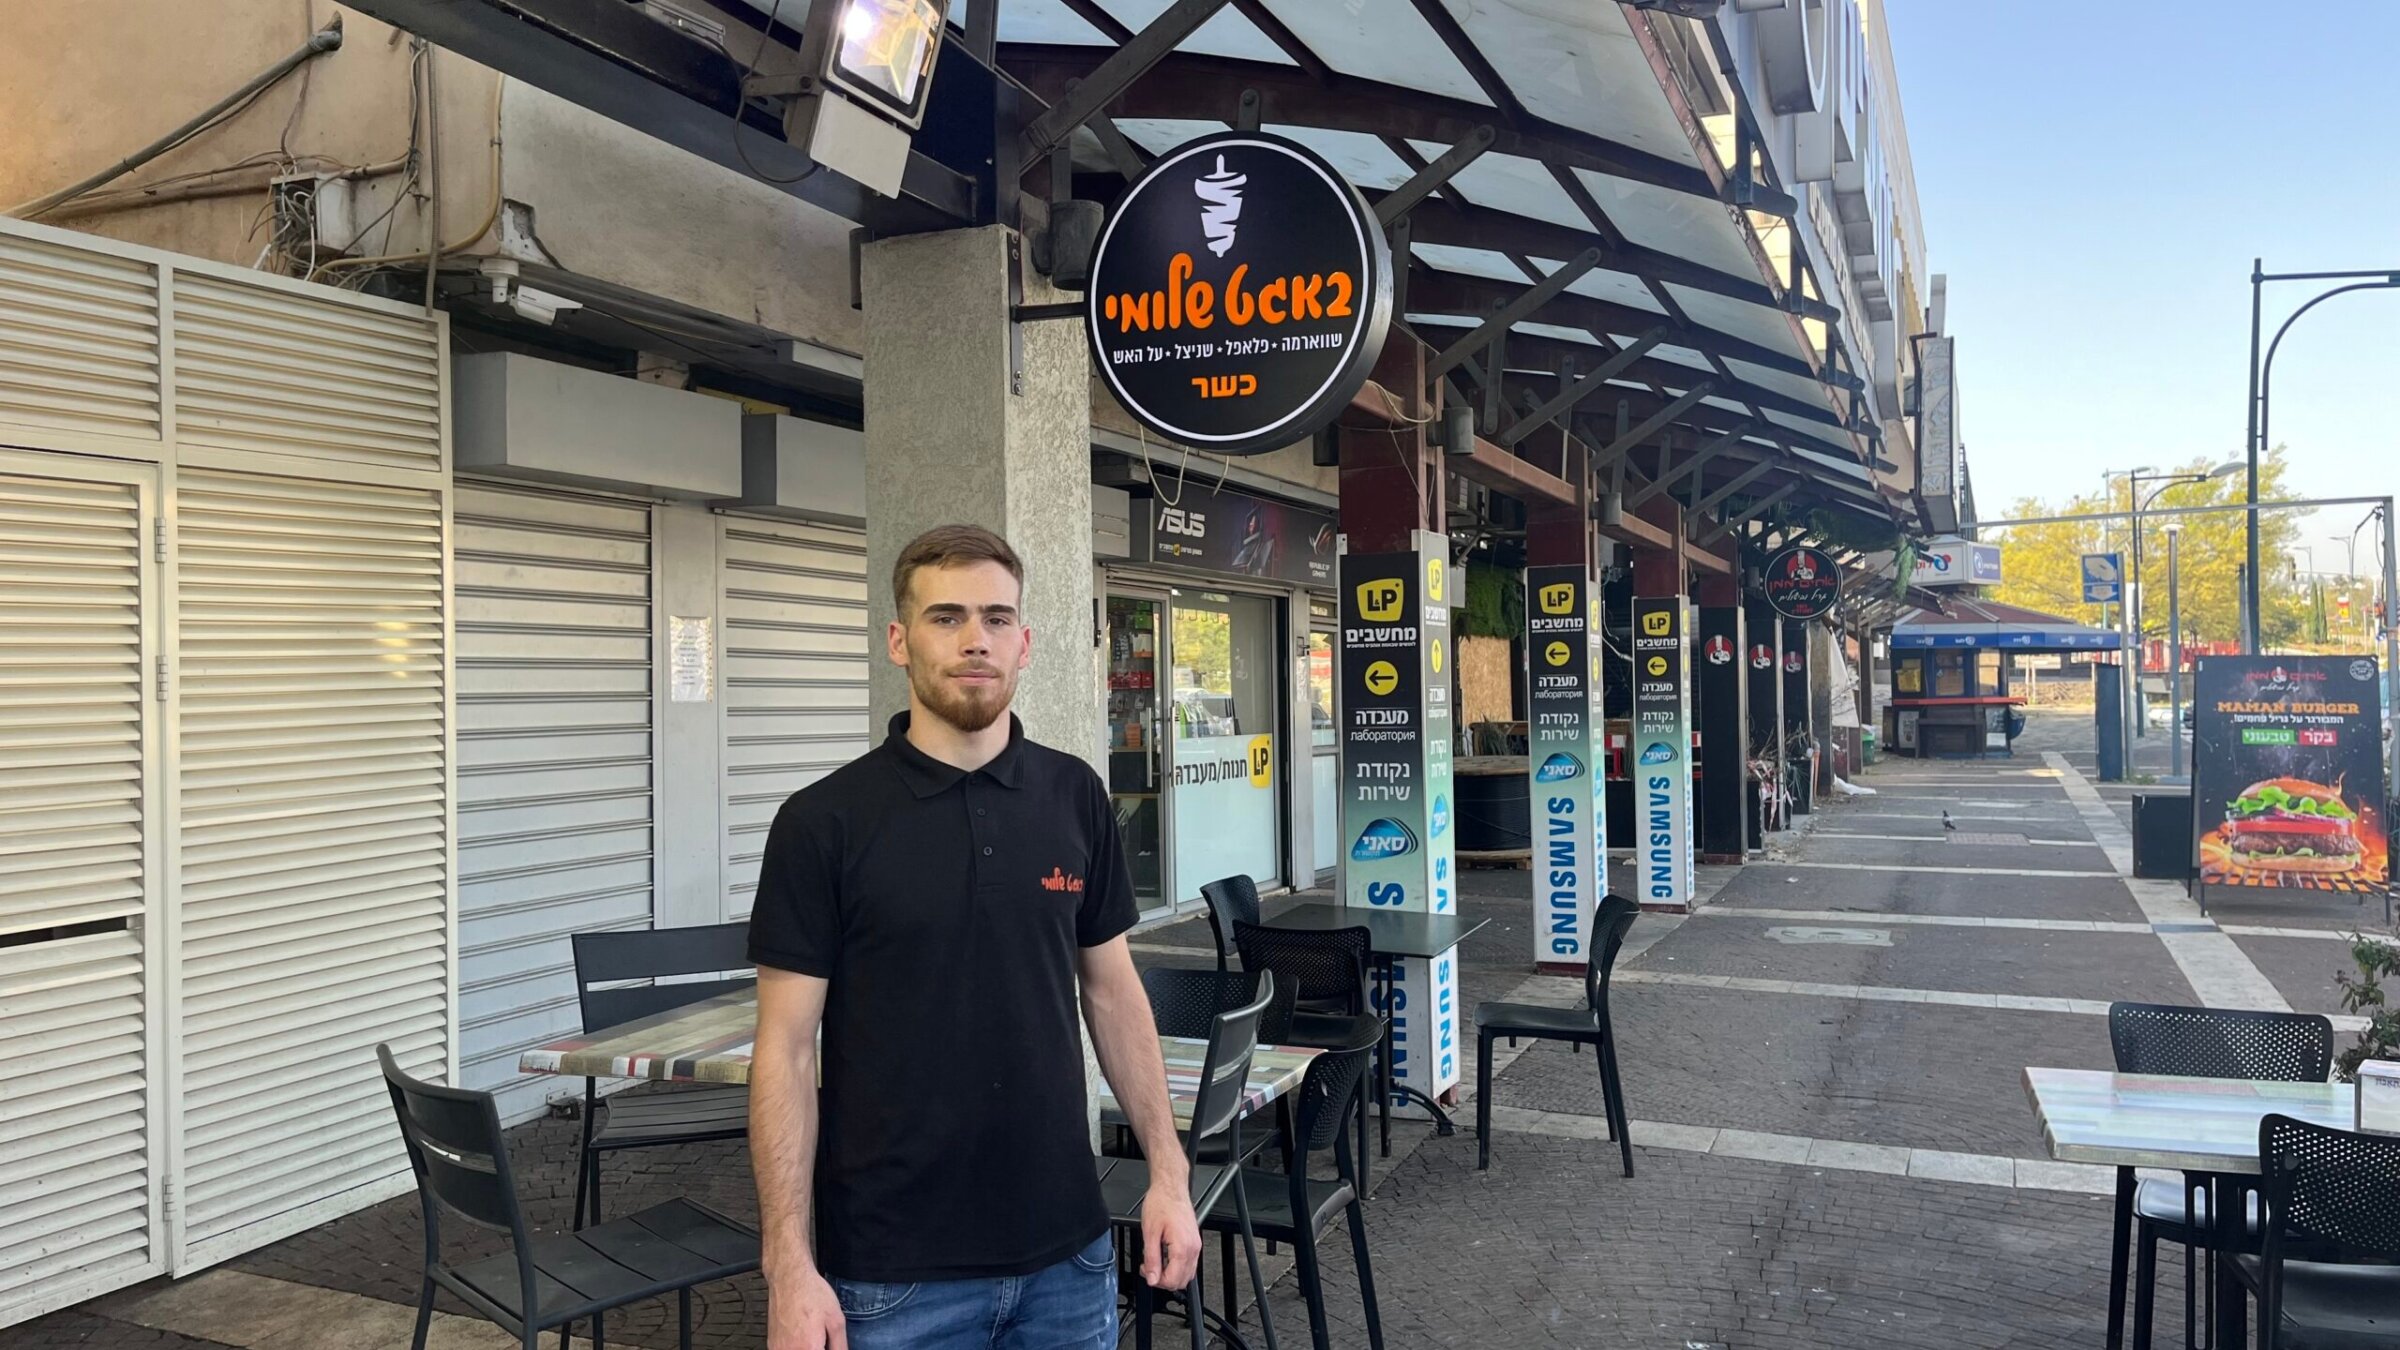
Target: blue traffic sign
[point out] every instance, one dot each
(2103, 578)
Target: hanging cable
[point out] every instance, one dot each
(326, 39)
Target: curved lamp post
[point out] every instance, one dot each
(2261, 380)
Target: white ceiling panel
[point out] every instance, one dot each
(1766, 327)
(1572, 62)
(1819, 432)
(1617, 288)
(1551, 330)
(1692, 228)
(1041, 21)
(1226, 33)
(1158, 135)
(1783, 382)
(1361, 158)
(1512, 183)
(1384, 40)
(1470, 262)
(1849, 467)
(1682, 356)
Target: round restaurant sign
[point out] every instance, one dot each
(1802, 582)
(1239, 294)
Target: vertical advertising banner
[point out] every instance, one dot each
(1397, 811)
(2287, 787)
(1660, 756)
(1564, 766)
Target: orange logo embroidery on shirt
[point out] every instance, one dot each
(1060, 881)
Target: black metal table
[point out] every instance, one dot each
(1391, 934)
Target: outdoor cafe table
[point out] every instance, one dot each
(2204, 1126)
(1391, 934)
(709, 1042)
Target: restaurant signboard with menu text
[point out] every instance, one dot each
(2287, 789)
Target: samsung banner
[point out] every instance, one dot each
(1660, 756)
(2287, 789)
(1564, 766)
(1397, 807)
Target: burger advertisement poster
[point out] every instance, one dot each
(2288, 785)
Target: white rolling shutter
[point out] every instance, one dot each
(78, 340)
(794, 674)
(79, 1168)
(315, 850)
(554, 774)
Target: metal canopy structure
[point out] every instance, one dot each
(1561, 192)
(1971, 622)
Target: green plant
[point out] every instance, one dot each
(1495, 604)
(2372, 958)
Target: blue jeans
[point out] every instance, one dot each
(1068, 1306)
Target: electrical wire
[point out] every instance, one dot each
(741, 99)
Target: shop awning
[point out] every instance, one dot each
(1970, 622)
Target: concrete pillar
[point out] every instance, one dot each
(687, 741)
(1764, 663)
(955, 436)
(966, 427)
(1566, 767)
(1661, 748)
(1724, 702)
(1794, 656)
(1393, 663)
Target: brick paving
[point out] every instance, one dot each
(1554, 1248)
(2301, 968)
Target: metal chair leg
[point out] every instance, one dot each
(1258, 1279)
(2119, 1233)
(1233, 1305)
(424, 1316)
(1312, 1281)
(1483, 1103)
(2145, 1283)
(1145, 1306)
(1613, 1090)
(1366, 1274)
(683, 1318)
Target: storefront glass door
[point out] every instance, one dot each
(1325, 754)
(1137, 740)
(1225, 714)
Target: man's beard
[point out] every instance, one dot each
(968, 709)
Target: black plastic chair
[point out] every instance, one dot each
(2338, 1190)
(1292, 1206)
(1327, 972)
(461, 1163)
(1188, 1002)
(2187, 1042)
(1216, 1116)
(691, 1115)
(1587, 1025)
(1231, 900)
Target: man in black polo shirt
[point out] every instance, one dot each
(933, 905)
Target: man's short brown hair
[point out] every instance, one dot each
(950, 546)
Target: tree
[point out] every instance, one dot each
(2043, 565)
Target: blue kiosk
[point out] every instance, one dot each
(1954, 674)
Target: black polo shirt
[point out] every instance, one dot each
(947, 910)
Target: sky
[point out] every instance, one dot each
(2095, 180)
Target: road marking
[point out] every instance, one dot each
(2219, 971)
(1830, 1155)
(1929, 920)
(1944, 871)
(2256, 930)
(1939, 838)
(1871, 993)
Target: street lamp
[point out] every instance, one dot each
(2261, 383)
(2139, 504)
(2129, 703)
(2174, 654)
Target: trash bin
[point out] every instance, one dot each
(1871, 746)
(2162, 836)
(1804, 784)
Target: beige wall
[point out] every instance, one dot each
(85, 84)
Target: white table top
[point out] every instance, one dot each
(2151, 1120)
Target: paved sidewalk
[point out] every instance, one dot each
(1823, 1066)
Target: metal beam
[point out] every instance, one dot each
(1437, 292)
(1429, 179)
(1699, 460)
(1748, 476)
(1749, 511)
(1532, 353)
(1187, 86)
(1591, 383)
(1111, 77)
(1656, 421)
(1531, 299)
(609, 58)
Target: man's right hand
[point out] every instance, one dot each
(805, 1314)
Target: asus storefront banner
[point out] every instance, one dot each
(1565, 781)
(1397, 804)
(1660, 757)
(1240, 292)
(2288, 783)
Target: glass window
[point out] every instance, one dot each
(1321, 728)
(1949, 674)
(1224, 669)
(1909, 676)
(1987, 673)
